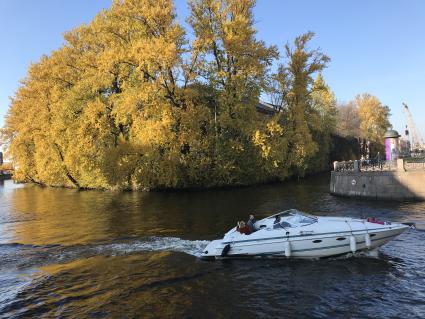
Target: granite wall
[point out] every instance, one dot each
(398, 184)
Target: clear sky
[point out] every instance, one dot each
(375, 46)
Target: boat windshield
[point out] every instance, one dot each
(300, 218)
(295, 218)
(289, 212)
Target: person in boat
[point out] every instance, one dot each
(243, 228)
(277, 220)
(251, 223)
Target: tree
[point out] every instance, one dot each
(234, 65)
(107, 95)
(129, 103)
(348, 122)
(293, 82)
(374, 117)
(324, 106)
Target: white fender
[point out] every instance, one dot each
(367, 240)
(288, 249)
(353, 244)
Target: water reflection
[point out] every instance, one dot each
(59, 216)
(166, 285)
(66, 253)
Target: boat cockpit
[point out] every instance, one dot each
(288, 219)
(291, 218)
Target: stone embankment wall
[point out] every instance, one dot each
(400, 181)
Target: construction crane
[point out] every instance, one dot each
(417, 141)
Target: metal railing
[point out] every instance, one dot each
(344, 166)
(378, 166)
(365, 166)
(414, 164)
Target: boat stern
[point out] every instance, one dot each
(212, 250)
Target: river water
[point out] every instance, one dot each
(89, 254)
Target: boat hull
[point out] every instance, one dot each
(307, 246)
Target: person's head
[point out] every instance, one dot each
(242, 224)
(251, 216)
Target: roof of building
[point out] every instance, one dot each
(267, 108)
(391, 134)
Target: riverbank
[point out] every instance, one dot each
(322, 174)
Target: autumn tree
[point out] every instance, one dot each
(374, 117)
(234, 65)
(324, 108)
(102, 102)
(294, 84)
(128, 102)
(367, 120)
(348, 122)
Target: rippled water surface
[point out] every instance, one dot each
(90, 254)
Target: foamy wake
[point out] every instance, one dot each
(374, 253)
(20, 256)
(191, 247)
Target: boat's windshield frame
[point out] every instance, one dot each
(290, 212)
(295, 212)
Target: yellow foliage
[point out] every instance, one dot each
(129, 103)
(373, 117)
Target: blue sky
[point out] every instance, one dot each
(375, 46)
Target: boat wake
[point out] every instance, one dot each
(21, 256)
(175, 244)
(374, 253)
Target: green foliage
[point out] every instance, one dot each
(325, 112)
(307, 105)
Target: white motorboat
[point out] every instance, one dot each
(298, 235)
